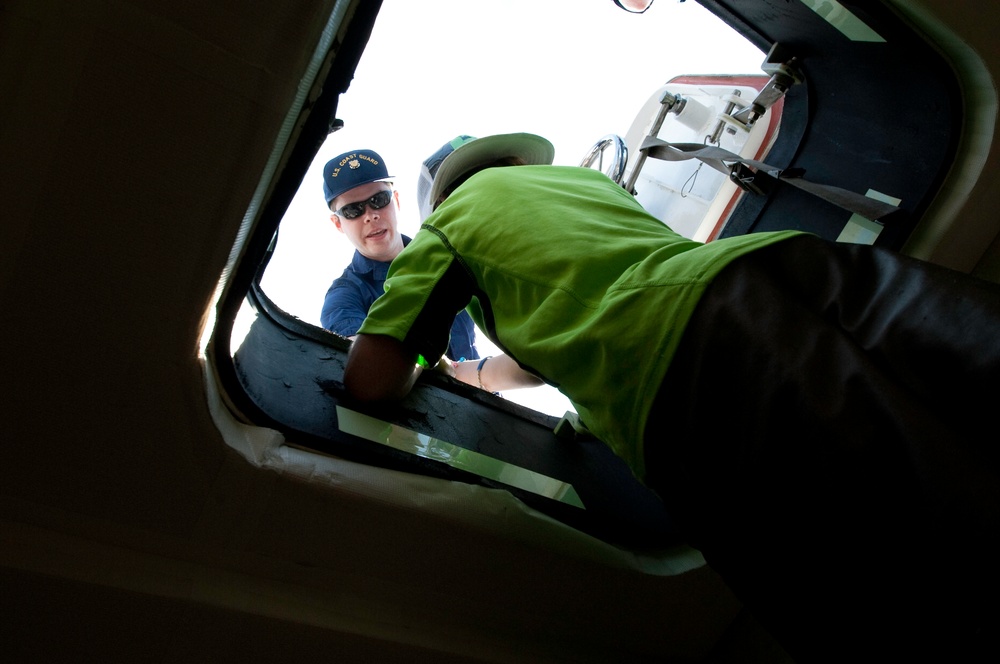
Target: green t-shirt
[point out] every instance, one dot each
(567, 273)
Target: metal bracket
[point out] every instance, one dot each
(782, 67)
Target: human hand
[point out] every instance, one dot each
(446, 366)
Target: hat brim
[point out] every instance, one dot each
(533, 149)
(343, 190)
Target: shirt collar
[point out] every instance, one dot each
(361, 263)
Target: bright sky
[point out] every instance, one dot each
(570, 70)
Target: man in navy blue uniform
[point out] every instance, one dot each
(364, 206)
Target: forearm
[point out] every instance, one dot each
(495, 374)
(379, 368)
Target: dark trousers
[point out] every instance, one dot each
(827, 437)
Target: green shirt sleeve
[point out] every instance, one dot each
(425, 289)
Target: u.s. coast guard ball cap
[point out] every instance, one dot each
(352, 169)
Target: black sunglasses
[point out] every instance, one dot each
(355, 210)
(635, 6)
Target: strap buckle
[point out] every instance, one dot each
(748, 179)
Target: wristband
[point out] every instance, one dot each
(479, 372)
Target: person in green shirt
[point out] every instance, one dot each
(812, 414)
(556, 266)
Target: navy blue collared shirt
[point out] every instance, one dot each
(349, 297)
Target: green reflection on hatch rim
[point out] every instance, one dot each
(422, 445)
(841, 18)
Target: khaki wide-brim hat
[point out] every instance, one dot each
(533, 149)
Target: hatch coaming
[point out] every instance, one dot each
(816, 127)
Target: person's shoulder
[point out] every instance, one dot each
(541, 174)
(351, 281)
(571, 173)
(347, 279)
